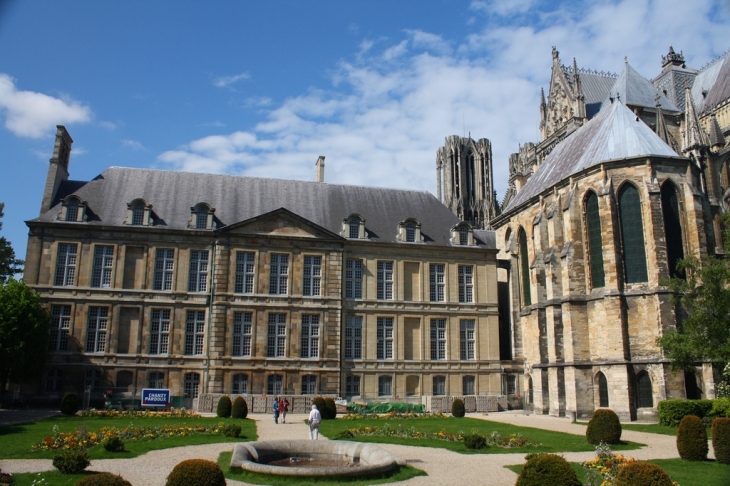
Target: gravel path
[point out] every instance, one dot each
(442, 466)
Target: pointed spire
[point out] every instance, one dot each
(717, 139)
(661, 128)
(695, 136)
(576, 81)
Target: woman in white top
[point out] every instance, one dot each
(314, 419)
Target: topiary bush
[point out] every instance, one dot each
(232, 430)
(70, 404)
(721, 439)
(671, 412)
(113, 444)
(642, 473)
(547, 470)
(239, 410)
(457, 408)
(71, 462)
(692, 439)
(604, 426)
(331, 407)
(475, 441)
(224, 407)
(720, 408)
(196, 472)
(319, 401)
(103, 479)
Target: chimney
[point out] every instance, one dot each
(319, 174)
(58, 167)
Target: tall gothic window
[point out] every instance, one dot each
(632, 232)
(644, 395)
(672, 228)
(595, 244)
(602, 390)
(524, 269)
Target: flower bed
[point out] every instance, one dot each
(395, 416)
(112, 413)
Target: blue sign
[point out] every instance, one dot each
(155, 397)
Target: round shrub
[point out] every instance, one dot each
(331, 408)
(604, 426)
(547, 470)
(721, 439)
(642, 473)
(196, 472)
(103, 479)
(239, 410)
(692, 439)
(319, 401)
(232, 430)
(71, 462)
(113, 444)
(224, 407)
(457, 408)
(70, 404)
(475, 441)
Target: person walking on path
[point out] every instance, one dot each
(283, 409)
(275, 407)
(314, 419)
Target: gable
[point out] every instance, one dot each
(281, 223)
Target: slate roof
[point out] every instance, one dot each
(714, 81)
(614, 133)
(236, 199)
(595, 87)
(633, 89)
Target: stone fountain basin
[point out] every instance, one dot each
(358, 459)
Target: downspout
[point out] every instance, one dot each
(211, 295)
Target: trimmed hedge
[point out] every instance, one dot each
(72, 462)
(457, 408)
(224, 407)
(547, 470)
(475, 441)
(692, 439)
(319, 401)
(720, 408)
(671, 412)
(642, 473)
(721, 439)
(239, 410)
(103, 479)
(604, 426)
(70, 404)
(331, 407)
(196, 472)
(113, 444)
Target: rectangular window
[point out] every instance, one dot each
(198, 278)
(60, 326)
(156, 379)
(164, 266)
(385, 338)
(279, 274)
(310, 336)
(437, 281)
(353, 279)
(240, 384)
(353, 337)
(309, 385)
(352, 388)
(194, 332)
(385, 386)
(53, 380)
(276, 336)
(96, 332)
(510, 384)
(66, 264)
(439, 385)
(312, 275)
(192, 385)
(385, 280)
(244, 272)
(438, 338)
(242, 324)
(103, 260)
(467, 339)
(160, 331)
(466, 284)
(354, 227)
(274, 385)
(92, 380)
(468, 385)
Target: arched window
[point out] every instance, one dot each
(463, 235)
(690, 386)
(672, 228)
(595, 243)
(138, 214)
(201, 217)
(410, 233)
(524, 268)
(602, 390)
(155, 379)
(644, 394)
(354, 227)
(632, 233)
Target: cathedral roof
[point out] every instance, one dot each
(615, 133)
(595, 85)
(635, 90)
(712, 84)
(236, 199)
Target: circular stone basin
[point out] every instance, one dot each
(313, 458)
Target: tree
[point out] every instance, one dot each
(24, 325)
(704, 334)
(9, 265)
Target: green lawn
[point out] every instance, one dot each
(551, 441)
(658, 429)
(16, 440)
(397, 474)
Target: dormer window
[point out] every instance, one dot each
(138, 213)
(201, 217)
(462, 234)
(353, 227)
(409, 231)
(73, 209)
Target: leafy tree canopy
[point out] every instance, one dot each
(9, 265)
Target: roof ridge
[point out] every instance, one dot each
(594, 72)
(712, 62)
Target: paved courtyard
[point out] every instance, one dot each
(443, 467)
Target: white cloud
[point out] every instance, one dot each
(108, 125)
(34, 115)
(225, 81)
(501, 7)
(391, 106)
(132, 144)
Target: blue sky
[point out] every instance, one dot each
(262, 88)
